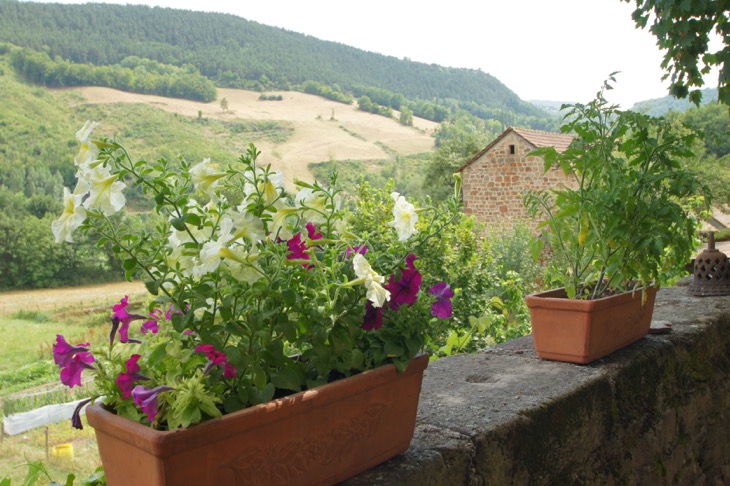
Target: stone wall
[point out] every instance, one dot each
(656, 412)
(494, 184)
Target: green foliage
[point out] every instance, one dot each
(683, 29)
(131, 74)
(37, 471)
(19, 378)
(252, 283)
(457, 141)
(489, 302)
(365, 104)
(625, 219)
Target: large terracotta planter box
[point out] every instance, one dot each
(582, 331)
(320, 436)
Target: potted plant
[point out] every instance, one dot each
(622, 225)
(276, 347)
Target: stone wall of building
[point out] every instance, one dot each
(654, 413)
(494, 184)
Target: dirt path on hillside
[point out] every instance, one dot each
(56, 299)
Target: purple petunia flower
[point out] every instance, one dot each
(441, 307)
(361, 249)
(125, 381)
(373, 317)
(76, 415)
(405, 291)
(146, 399)
(71, 372)
(63, 352)
(121, 316)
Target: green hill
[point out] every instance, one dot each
(237, 53)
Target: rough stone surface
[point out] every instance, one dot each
(494, 184)
(656, 412)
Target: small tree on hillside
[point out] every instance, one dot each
(224, 104)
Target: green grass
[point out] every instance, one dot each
(26, 341)
(29, 379)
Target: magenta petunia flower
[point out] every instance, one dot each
(63, 352)
(297, 248)
(312, 232)
(71, 372)
(215, 358)
(146, 399)
(405, 291)
(441, 307)
(121, 316)
(153, 324)
(125, 381)
(229, 371)
(373, 317)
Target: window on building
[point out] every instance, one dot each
(511, 149)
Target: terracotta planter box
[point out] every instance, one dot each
(581, 331)
(320, 436)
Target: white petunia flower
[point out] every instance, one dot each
(315, 202)
(88, 152)
(405, 217)
(373, 282)
(105, 191)
(205, 177)
(71, 218)
(210, 258)
(270, 189)
(247, 226)
(279, 228)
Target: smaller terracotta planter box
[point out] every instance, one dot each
(320, 436)
(581, 331)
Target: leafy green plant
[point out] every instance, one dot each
(242, 283)
(627, 218)
(37, 471)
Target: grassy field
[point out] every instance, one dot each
(29, 322)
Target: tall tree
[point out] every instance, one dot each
(683, 29)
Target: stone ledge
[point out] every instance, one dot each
(657, 412)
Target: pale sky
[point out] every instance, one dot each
(560, 50)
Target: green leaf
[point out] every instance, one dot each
(178, 223)
(393, 350)
(157, 355)
(288, 379)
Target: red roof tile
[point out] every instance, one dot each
(537, 138)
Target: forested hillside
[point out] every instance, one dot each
(662, 106)
(234, 52)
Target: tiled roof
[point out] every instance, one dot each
(537, 138)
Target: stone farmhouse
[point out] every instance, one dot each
(495, 179)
